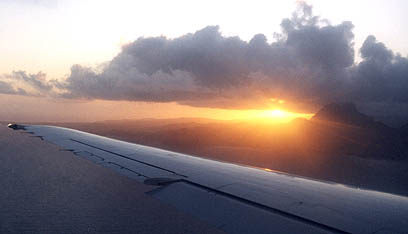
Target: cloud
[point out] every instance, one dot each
(381, 76)
(6, 88)
(206, 68)
(380, 82)
(311, 63)
(21, 83)
(37, 81)
(40, 3)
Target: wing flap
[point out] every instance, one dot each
(233, 214)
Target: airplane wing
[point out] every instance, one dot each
(235, 198)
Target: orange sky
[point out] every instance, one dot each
(39, 36)
(24, 109)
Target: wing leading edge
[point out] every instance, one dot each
(235, 198)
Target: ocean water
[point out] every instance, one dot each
(44, 190)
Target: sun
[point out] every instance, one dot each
(277, 116)
(277, 113)
(274, 114)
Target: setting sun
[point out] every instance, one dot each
(279, 116)
(276, 113)
(270, 116)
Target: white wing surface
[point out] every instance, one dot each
(235, 198)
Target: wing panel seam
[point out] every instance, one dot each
(264, 207)
(126, 157)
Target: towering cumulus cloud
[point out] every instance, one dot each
(208, 69)
(310, 63)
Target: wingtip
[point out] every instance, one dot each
(16, 126)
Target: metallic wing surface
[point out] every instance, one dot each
(236, 198)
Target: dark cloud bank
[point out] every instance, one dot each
(311, 63)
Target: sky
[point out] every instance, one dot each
(92, 60)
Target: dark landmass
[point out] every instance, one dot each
(339, 144)
(345, 113)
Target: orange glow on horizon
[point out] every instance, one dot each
(271, 116)
(29, 109)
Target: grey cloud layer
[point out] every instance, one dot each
(19, 81)
(6, 88)
(208, 69)
(381, 76)
(310, 63)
